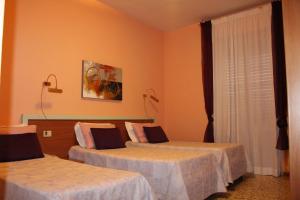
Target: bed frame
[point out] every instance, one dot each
(63, 135)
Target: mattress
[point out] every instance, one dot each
(230, 157)
(172, 175)
(57, 179)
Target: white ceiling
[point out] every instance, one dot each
(168, 15)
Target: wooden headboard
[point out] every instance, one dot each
(63, 135)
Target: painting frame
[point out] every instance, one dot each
(101, 82)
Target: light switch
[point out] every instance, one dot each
(47, 133)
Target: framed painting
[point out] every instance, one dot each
(100, 81)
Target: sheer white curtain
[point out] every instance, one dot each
(244, 105)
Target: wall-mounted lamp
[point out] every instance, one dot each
(55, 89)
(47, 83)
(150, 96)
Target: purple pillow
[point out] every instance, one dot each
(107, 138)
(15, 147)
(155, 134)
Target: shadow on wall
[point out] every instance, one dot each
(7, 62)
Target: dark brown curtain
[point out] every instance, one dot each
(279, 72)
(207, 78)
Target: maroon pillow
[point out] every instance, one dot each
(15, 147)
(107, 138)
(155, 134)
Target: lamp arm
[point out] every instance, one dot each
(154, 98)
(47, 83)
(53, 90)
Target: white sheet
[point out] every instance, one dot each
(57, 179)
(173, 175)
(230, 157)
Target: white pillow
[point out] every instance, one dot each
(79, 135)
(131, 132)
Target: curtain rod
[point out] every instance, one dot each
(235, 11)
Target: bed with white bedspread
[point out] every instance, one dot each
(57, 179)
(230, 157)
(173, 175)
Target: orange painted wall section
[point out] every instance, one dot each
(54, 36)
(184, 112)
(292, 54)
(2, 3)
(6, 64)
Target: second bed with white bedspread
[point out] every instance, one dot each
(173, 175)
(230, 157)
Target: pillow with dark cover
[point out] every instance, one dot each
(107, 138)
(15, 147)
(155, 134)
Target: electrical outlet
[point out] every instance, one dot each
(47, 133)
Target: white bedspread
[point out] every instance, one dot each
(230, 157)
(57, 179)
(172, 175)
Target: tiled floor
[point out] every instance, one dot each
(258, 188)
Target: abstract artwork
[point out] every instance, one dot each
(101, 81)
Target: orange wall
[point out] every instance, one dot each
(184, 113)
(2, 2)
(53, 36)
(291, 22)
